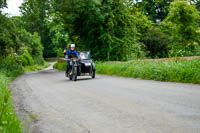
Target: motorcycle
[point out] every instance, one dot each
(84, 66)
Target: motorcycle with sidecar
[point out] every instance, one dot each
(83, 66)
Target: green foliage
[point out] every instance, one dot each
(9, 122)
(106, 28)
(58, 34)
(9, 42)
(11, 66)
(142, 22)
(174, 71)
(18, 42)
(110, 29)
(60, 53)
(196, 3)
(26, 59)
(3, 3)
(196, 52)
(157, 10)
(32, 46)
(156, 43)
(36, 67)
(182, 26)
(60, 65)
(114, 29)
(34, 16)
(38, 16)
(18, 48)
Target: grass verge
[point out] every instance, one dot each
(36, 67)
(185, 71)
(9, 122)
(60, 65)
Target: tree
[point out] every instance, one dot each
(196, 3)
(34, 16)
(31, 45)
(156, 43)
(9, 41)
(183, 27)
(105, 27)
(58, 34)
(156, 10)
(3, 3)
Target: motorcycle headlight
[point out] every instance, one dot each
(88, 64)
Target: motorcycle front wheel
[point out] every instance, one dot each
(74, 77)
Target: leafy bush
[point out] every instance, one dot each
(60, 53)
(38, 60)
(11, 66)
(33, 46)
(60, 65)
(9, 42)
(26, 59)
(15, 41)
(156, 43)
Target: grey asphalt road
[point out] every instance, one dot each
(106, 104)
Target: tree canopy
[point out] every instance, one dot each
(3, 3)
(183, 20)
(110, 29)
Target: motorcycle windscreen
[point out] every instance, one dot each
(85, 55)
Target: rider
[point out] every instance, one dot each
(71, 53)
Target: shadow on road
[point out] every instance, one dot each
(83, 79)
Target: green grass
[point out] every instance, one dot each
(60, 65)
(9, 122)
(185, 71)
(36, 67)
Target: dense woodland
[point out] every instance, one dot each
(110, 29)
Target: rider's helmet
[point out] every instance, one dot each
(73, 45)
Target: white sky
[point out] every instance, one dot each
(13, 7)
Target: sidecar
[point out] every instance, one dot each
(86, 66)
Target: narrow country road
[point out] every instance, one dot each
(50, 103)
